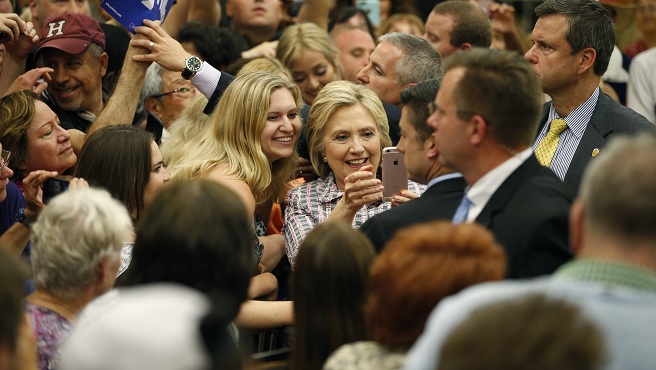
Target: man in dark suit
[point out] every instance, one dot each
(485, 117)
(573, 42)
(445, 188)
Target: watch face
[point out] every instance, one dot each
(194, 63)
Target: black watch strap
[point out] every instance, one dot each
(22, 218)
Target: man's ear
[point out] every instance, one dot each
(103, 61)
(478, 129)
(465, 46)
(430, 146)
(153, 105)
(587, 59)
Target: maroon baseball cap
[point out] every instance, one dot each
(70, 33)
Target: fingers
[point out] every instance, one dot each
(36, 178)
(78, 183)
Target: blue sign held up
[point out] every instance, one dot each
(131, 13)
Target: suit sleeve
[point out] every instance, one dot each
(376, 233)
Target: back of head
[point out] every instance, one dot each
(471, 25)
(590, 26)
(544, 334)
(158, 326)
(421, 265)
(617, 189)
(417, 98)
(420, 61)
(345, 13)
(16, 113)
(265, 65)
(12, 278)
(239, 119)
(329, 288)
(305, 36)
(333, 96)
(218, 46)
(501, 87)
(195, 234)
(118, 158)
(71, 237)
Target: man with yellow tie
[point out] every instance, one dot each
(572, 44)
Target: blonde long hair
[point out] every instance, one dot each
(237, 123)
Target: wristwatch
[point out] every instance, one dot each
(192, 66)
(24, 219)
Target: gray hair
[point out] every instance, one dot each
(72, 236)
(420, 61)
(153, 82)
(617, 189)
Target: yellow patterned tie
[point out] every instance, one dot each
(547, 147)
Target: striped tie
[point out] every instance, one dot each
(547, 147)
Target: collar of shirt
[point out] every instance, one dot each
(448, 176)
(578, 120)
(481, 192)
(609, 273)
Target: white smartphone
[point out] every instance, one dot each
(395, 176)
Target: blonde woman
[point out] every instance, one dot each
(311, 56)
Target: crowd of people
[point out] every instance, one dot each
(223, 177)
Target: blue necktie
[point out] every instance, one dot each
(462, 211)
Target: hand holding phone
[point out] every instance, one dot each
(395, 175)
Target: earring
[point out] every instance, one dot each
(325, 159)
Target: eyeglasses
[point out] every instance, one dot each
(185, 92)
(5, 159)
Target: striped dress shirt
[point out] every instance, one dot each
(577, 122)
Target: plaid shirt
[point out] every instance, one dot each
(311, 203)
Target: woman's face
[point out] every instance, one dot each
(351, 140)
(311, 72)
(48, 144)
(278, 138)
(158, 175)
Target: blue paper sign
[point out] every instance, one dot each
(131, 13)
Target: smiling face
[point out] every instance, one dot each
(646, 17)
(48, 144)
(351, 141)
(551, 55)
(278, 138)
(380, 74)
(312, 71)
(168, 107)
(158, 175)
(77, 80)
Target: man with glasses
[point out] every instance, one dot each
(165, 94)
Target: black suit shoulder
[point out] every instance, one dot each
(439, 202)
(529, 217)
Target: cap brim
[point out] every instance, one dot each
(70, 46)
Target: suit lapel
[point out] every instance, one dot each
(502, 196)
(594, 137)
(455, 185)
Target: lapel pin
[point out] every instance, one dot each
(595, 151)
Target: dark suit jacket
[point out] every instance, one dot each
(223, 83)
(609, 118)
(528, 215)
(439, 202)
